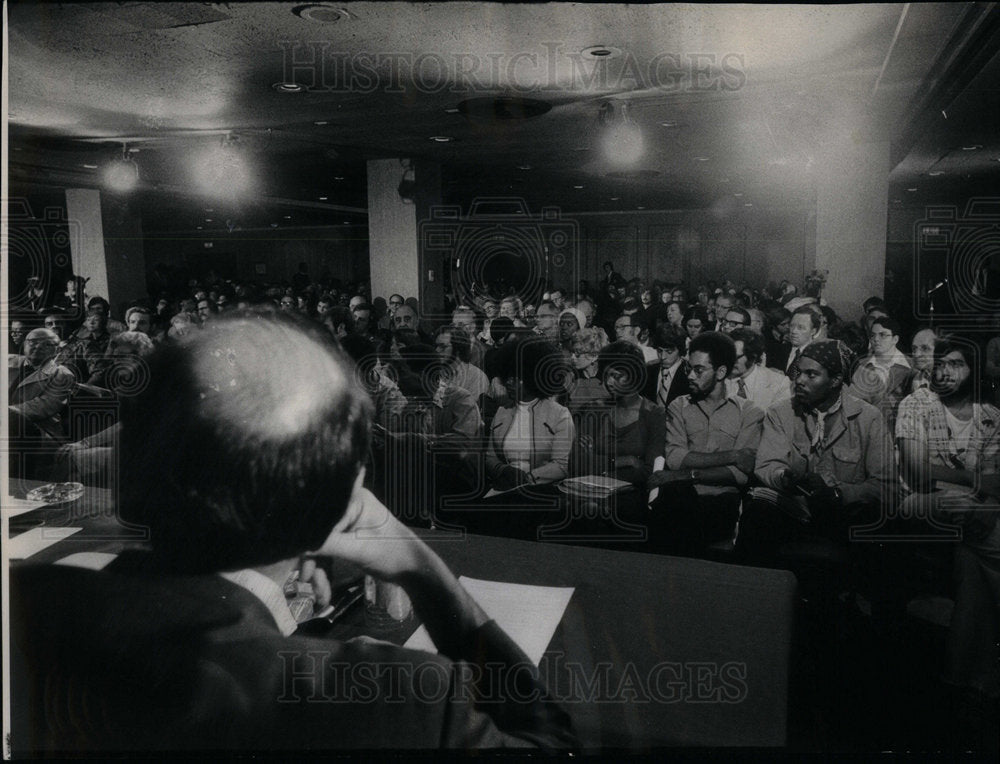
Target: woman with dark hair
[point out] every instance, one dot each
(776, 344)
(529, 442)
(639, 428)
(696, 321)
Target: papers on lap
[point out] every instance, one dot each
(529, 614)
(592, 486)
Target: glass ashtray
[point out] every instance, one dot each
(56, 493)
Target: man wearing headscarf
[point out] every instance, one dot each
(825, 458)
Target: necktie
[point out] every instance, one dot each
(742, 392)
(664, 388)
(793, 359)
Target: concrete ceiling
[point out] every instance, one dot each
(736, 104)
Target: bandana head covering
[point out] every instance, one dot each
(832, 355)
(577, 314)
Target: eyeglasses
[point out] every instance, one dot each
(395, 303)
(729, 322)
(881, 335)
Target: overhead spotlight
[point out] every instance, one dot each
(122, 174)
(222, 170)
(622, 137)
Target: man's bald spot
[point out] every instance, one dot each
(269, 380)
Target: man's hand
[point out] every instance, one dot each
(311, 573)
(510, 477)
(788, 478)
(989, 485)
(371, 538)
(662, 477)
(623, 462)
(746, 458)
(812, 482)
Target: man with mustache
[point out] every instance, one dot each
(949, 451)
(825, 456)
(710, 445)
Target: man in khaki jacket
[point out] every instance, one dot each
(825, 458)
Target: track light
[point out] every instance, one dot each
(122, 174)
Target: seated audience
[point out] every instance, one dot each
(454, 347)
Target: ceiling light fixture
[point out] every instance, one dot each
(442, 138)
(319, 13)
(601, 52)
(935, 173)
(976, 147)
(622, 136)
(288, 87)
(122, 174)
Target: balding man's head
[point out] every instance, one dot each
(40, 345)
(233, 461)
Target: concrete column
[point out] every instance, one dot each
(393, 234)
(851, 218)
(108, 249)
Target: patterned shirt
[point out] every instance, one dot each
(922, 418)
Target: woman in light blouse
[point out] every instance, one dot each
(530, 441)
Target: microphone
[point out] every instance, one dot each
(937, 286)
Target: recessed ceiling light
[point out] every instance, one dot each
(911, 190)
(601, 52)
(321, 123)
(972, 148)
(640, 207)
(89, 166)
(288, 87)
(668, 124)
(134, 151)
(524, 167)
(738, 194)
(200, 227)
(319, 13)
(935, 173)
(208, 220)
(452, 110)
(614, 198)
(274, 225)
(288, 217)
(577, 187)
(209, 209)
(748, 205)
(323, 198)
(701, 159)
(442, 138)
(338, 177)
(347, 222)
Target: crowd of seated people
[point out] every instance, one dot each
(754, 417)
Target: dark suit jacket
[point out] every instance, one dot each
(130, 659)
(40, 395)
(678, 385)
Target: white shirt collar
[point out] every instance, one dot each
(268, 592)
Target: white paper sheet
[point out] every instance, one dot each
(529, 614)
(21, 547)
(13, 507)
